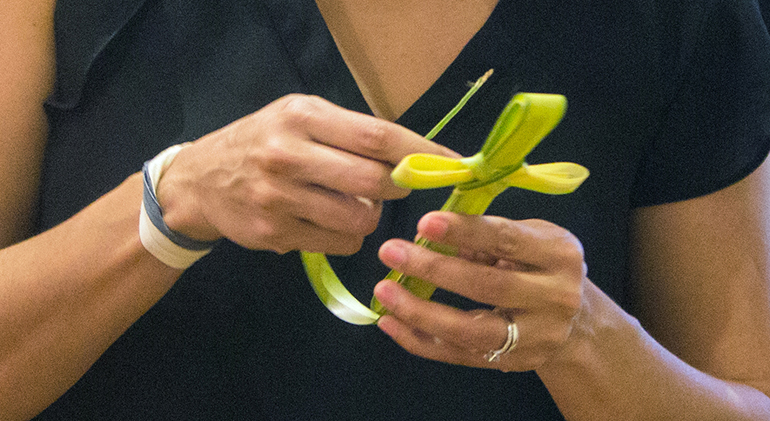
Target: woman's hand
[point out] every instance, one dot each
(701, 275)
(300, 174)
(532, 272)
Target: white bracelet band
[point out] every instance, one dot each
(171, 248)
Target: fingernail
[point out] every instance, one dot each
(385, 293)
(433, 226)
(368, 202)
(393, 255)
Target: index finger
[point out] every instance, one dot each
(535, 243)
(478, 282)
(358, 133)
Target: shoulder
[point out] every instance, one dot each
(715, 130)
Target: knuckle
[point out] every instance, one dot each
(574, 273)
(352, 218)
(553, 343)
(269, 235)
(534, 361)
(411, 318)
(572, 301)
(271, 198)
(275, 157)
(298, 109)
(465, 338)
(565, 299)
(507, 243)
(373, 137)
(279, 249)
(571, 249)
(371, 225)
(412, 346)
(422, 267)
(373, 183)
(338, 243)
(282, 243)
(350, 246)
(494, 286)
(366, 223)
(567, 306)
(538, 353)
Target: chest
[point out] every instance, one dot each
(397, 49)
(232, 58)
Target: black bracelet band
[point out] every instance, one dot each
(155, 213)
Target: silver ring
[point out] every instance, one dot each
(510, 343)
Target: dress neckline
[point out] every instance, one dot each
(320, 66)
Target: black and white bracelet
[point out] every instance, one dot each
(171, 248)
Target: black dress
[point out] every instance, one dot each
(667, 101)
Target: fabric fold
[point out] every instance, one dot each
(77, 49)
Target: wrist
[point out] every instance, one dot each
(176, 195)
(169, 246)
(588, 378)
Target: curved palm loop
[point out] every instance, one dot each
(478, 179)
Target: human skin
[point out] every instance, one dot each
(698, 349)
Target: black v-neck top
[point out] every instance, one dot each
(667, 101)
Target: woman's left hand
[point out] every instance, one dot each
(531, 272)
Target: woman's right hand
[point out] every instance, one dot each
(299, 174)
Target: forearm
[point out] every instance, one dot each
(69, 293)
(614, 370)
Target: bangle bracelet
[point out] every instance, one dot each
(170, 247)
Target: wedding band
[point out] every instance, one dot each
(510, 343)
